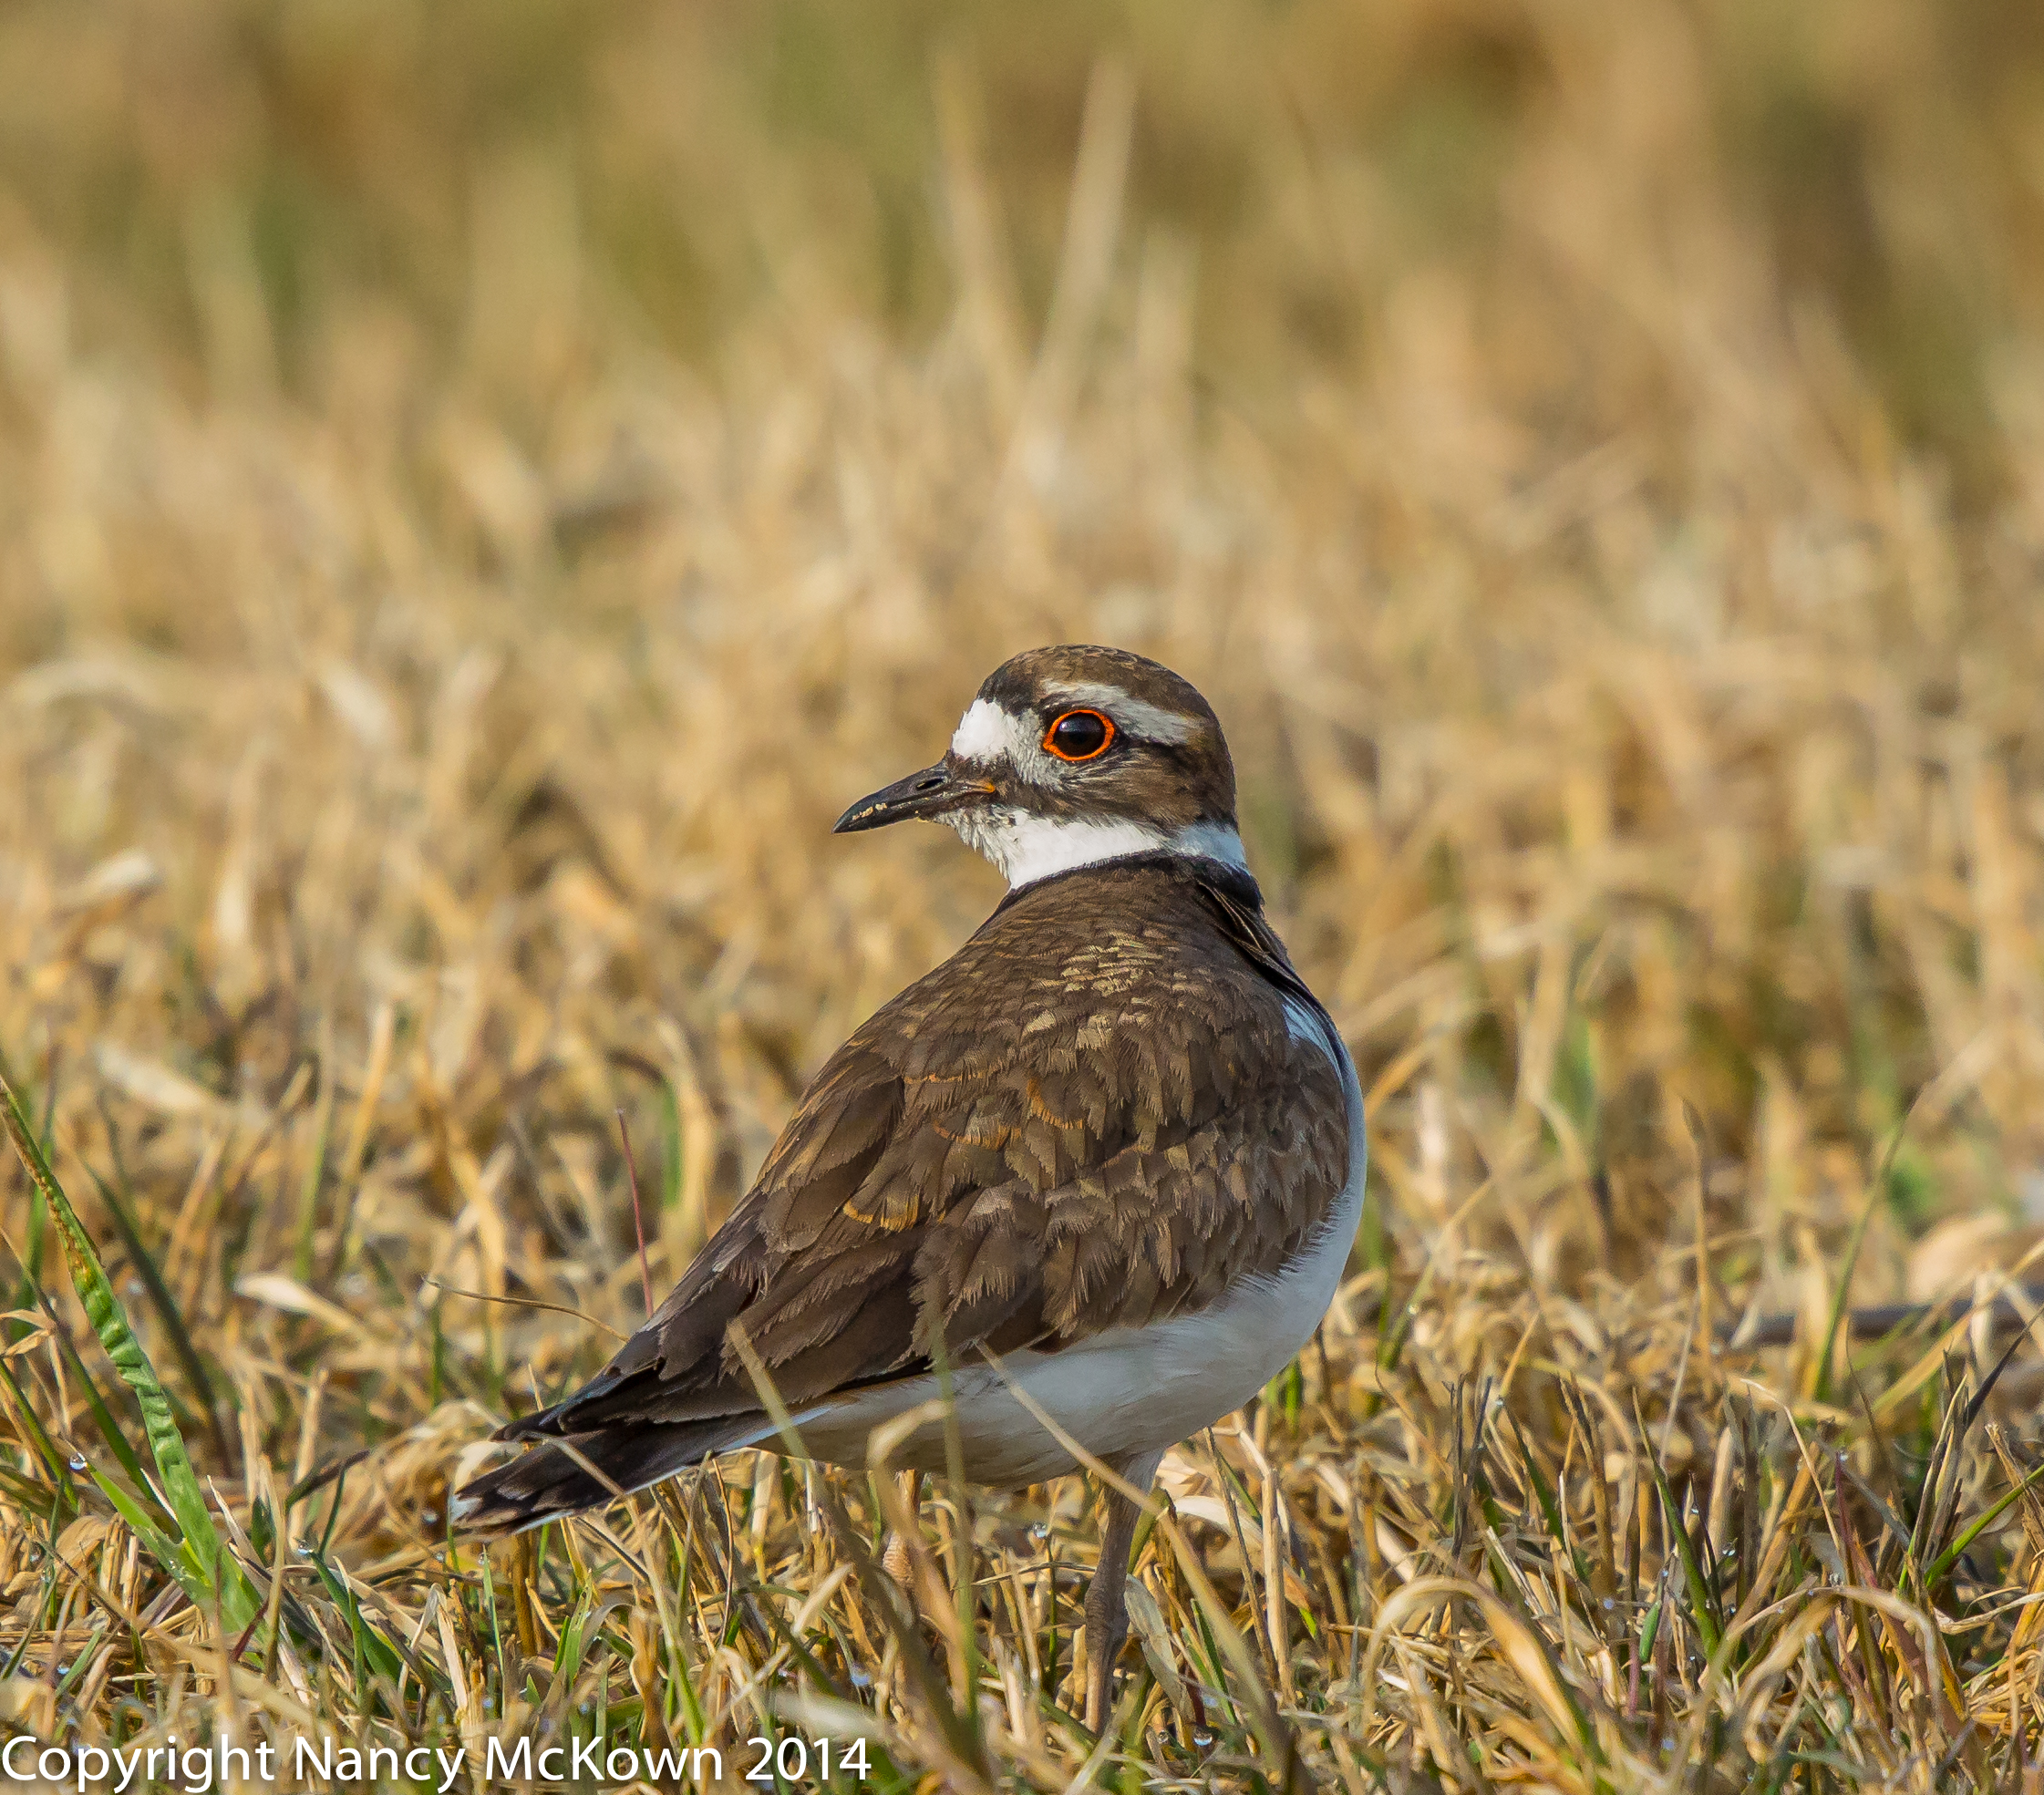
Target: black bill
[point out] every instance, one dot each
(929, 793)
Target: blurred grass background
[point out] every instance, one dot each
(480, 486)
(230, 190)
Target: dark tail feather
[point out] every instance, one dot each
(548, 1481)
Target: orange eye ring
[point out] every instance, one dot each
(1080, 744)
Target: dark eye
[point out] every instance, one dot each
(1079, 735)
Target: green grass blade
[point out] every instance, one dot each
(1845, 1289)
(377, 1652)
(24, 1493)
(1952, 1553)
(102, 1418)
(46, 1448)
(159, 1545)
(162, 1301)
(224, 1581)
(109, 1430)
(1550, 1508)
(31, 1260)
(1702, 1601)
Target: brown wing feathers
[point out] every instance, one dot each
(1079, 1121)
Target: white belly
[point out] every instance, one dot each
(1129, 1392)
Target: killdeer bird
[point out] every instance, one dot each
(1111, 1151)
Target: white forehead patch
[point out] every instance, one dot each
(986, 732)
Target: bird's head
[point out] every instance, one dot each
(1074, 755)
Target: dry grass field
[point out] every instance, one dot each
(482, 486)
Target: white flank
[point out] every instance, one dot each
(1132, 1391)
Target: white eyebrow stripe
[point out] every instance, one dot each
(1137, 716)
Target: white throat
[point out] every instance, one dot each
(1028, 848)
